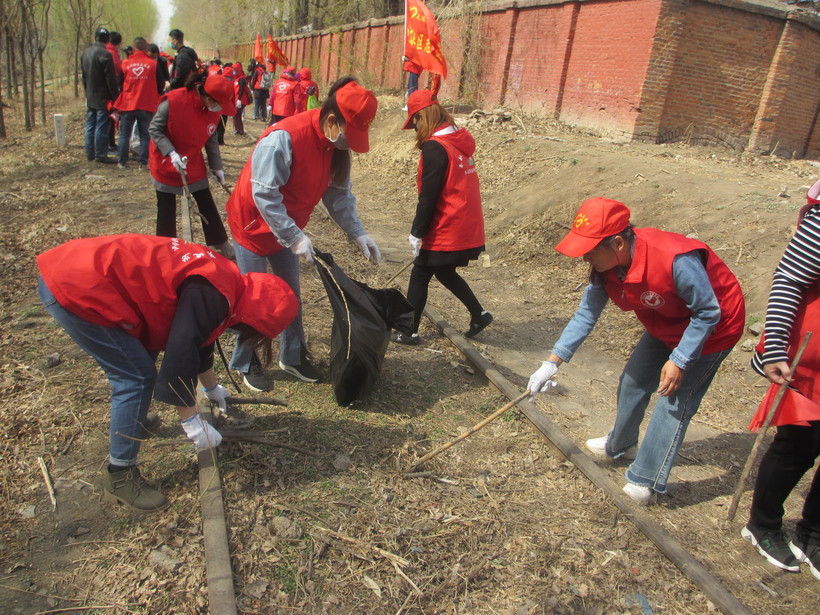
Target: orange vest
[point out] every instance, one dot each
(649, 290)
(131, 281)
(309, 179)
(190, 125)
(458, 223)
(139, 90)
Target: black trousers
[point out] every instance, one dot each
(420, 277)
(215, 234)
(791, 455)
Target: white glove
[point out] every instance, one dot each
(541, 380)
(303, 247)
(200, 431)
(238, 104)
(179, 164)
(269, 108)
(415, 244)
(369, 248)
(220, 175)
(219, 394)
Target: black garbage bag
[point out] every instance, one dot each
(362, 320)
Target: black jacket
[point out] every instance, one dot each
(99, 78)
(184, 62)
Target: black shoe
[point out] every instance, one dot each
(479, 324)
(304, 371)
(256, 378)
(808, 551)
(771, 544)
(106, 160)
(403, 338)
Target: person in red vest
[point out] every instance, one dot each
(413, 71)
(185, 122)
(295, 163)
(215, 67)
(793, 310)
(142, 86)
(286, 96)
(448, 228)
(125, 298)
(256, 75)
(242, 95)
(309, 87)
(694, 313)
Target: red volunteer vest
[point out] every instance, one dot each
(801, 402)
(309, 179)
(131, 281)
(412, 67)
(283, 97)
(649, 290)
(190, 125)
(139, 90)
(458, 223)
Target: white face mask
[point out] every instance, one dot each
(340, 142)
(215, 108)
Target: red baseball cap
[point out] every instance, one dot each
(221, 90)
(417, 101)
(358, 107)
(596, 219)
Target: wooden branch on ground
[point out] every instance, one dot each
(400, 561)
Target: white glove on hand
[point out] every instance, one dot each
(220, 176)
(369, 248)
(219, 394)
(179, 164)
(415, 244)
(303, 247)
(238, 104)
(200, 431)
(269, 109)
(541, 380)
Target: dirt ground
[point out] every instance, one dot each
(504, 525)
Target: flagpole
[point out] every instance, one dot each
(404, 48)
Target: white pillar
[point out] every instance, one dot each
(59, 129)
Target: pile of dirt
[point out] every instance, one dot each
(503, 524)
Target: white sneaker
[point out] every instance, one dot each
(404, 108)
(641, 494)
(598, 446)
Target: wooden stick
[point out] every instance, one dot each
(270, 401)
(741, 485)
(400, 561)
(49, 486)
(399, 272)
(470, 431)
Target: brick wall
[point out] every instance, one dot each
(725, 72)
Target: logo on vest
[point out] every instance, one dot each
(652, 300)
(137, 70)
(211, 129)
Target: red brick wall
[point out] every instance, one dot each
(722, 61)
(608, 63)
(716, 71)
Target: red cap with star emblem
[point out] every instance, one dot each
(358, 107)
(596, 219)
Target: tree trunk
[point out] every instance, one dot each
(9, 67)
(24, 75)
(42, 86)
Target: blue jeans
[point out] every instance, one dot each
(670, 416)
(412, 83)
(284, 264)
(142, 119)
(96, 133)
(130, 370)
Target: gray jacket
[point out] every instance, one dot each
(99, 78)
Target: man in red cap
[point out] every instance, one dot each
(297, 162)
(693, 310)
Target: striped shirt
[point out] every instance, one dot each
(798, 270)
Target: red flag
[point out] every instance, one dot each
(422, 43)
(275, 54)
(257, 50)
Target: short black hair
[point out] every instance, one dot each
(152, 47)
(116, 37)
(177, 34)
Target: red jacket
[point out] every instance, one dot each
(306, 83)
(190, 125)
(286, 96)
(649, 290)
(115, 55)
(309, 179)
(139, 89)
(458, 223)
(241, 91)
(412, 67)
(131, 281)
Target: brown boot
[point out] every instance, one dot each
(128, 487)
